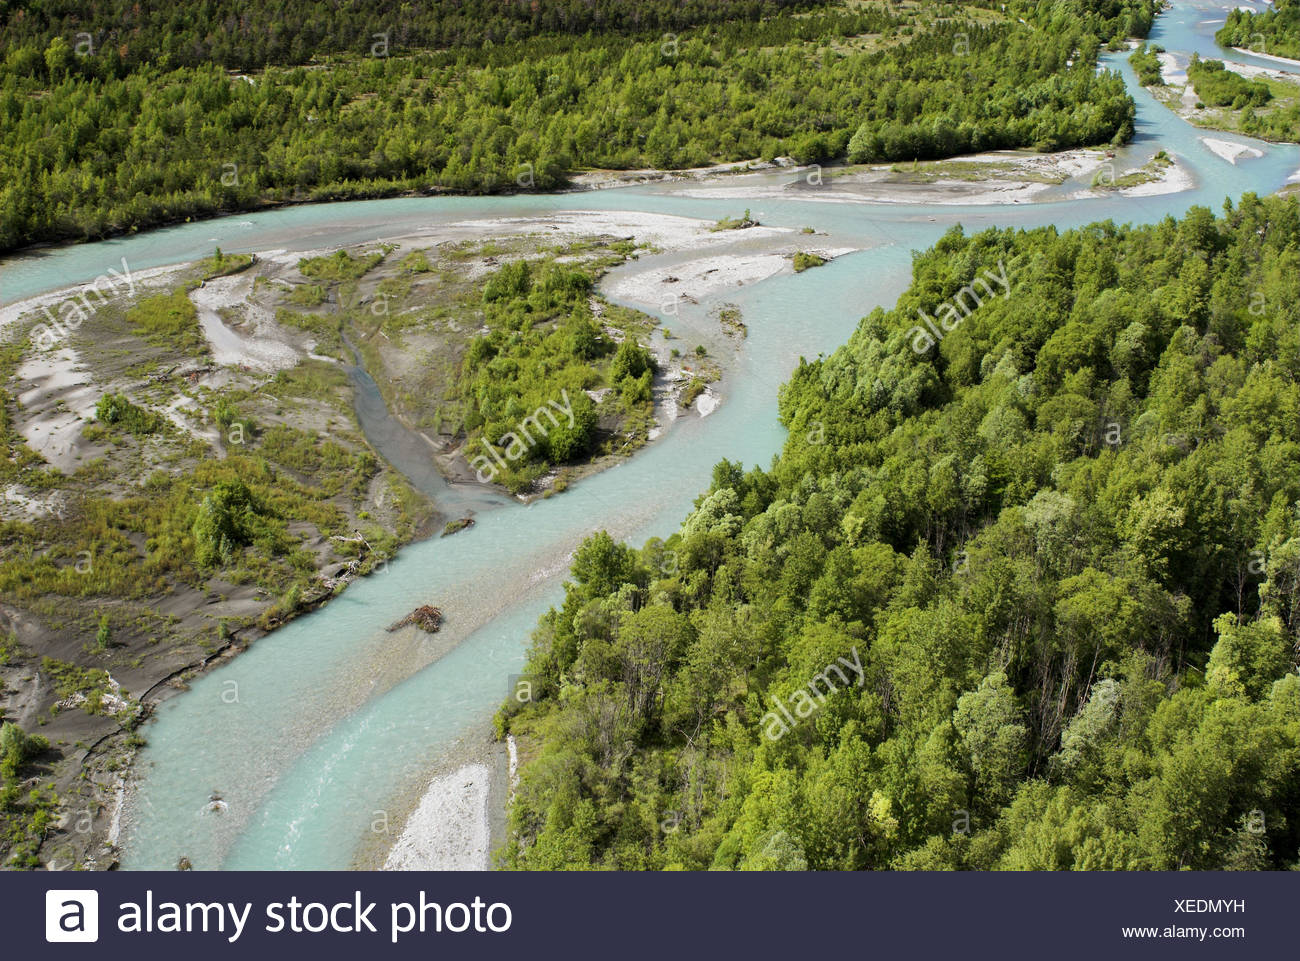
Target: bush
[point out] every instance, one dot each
(226, 523)
(802, 261)
(630, 360)
(565, 442)
(512, 280)
(115, 410)
(16, 748)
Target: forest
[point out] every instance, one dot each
(102, 137)
(241, 36)
(1027, 597)
(1220, 87)
(1275, 32)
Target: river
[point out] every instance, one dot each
(329, 720)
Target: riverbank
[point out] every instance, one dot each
(451, 819)
(1179, 94)
(242, 349)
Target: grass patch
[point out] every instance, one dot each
(735, 223)
(169, 321)
(803, 260)
(340, 265)
(325, 328)
(70, 680)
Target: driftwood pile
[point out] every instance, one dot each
(426, 618)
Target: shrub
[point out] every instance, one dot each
(630, 360)
(225, 524)
(115, 410)
(802, 261)
(512, 280)
(17, 747)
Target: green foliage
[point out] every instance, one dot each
(24, 819)
(339, 266)
(630, 360)
(228, 519)
(1064, 543)
(131, 34)
(1275, 32)
(1146, 63)
(1220, 87)
(522, 385)
(115, 410)
(16, 749)
(514, 280)
(220, 264)
(567, 442)
(328, 465)
(228, 419)
(143, 544)
(155, 129)
(803, 260)
(71, 680)
(169, 320)
(735, 223)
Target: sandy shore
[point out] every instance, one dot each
(1176, 179)
(1013, 176)
(668, 232)
(449, 829)
(1252, 72)
(704, 276)
(1230, 150)
(264, 350)
(1172, 69)
(11, 312)
(1268, 56)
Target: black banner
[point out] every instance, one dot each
(632, 916)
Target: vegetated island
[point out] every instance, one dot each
(1223, 95)
(185, 470)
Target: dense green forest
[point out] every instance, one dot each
(1027, 598)
(1220, 87)
(244, 36)
(1275, 32)
(95, 141)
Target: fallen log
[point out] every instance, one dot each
(426, 618)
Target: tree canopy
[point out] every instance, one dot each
(1063, 542)
(143, 124)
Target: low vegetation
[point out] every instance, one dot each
(804, 260)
